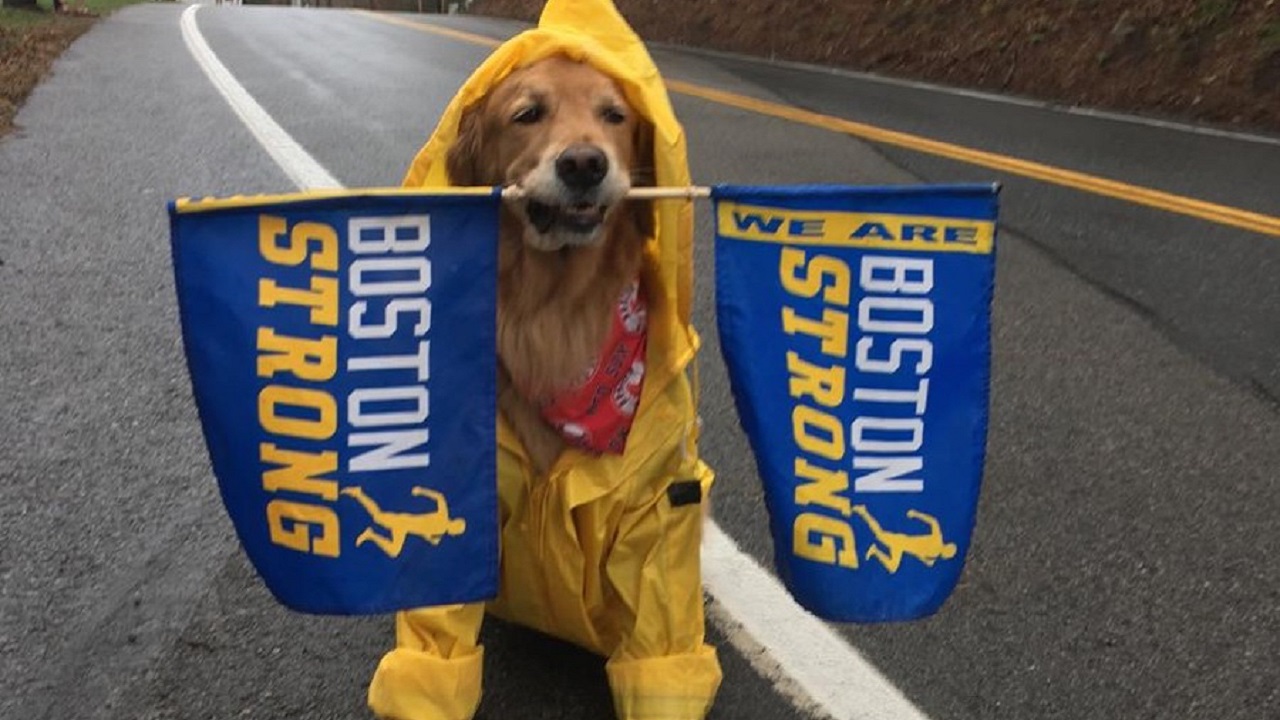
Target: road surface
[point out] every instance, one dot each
(1127, 558)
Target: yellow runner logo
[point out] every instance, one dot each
(927, 548)
(430, 526)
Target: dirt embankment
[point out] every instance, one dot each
(1215, 61)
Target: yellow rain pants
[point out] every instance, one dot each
(605, 551)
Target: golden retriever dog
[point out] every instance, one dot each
(563, 133)
(599, 546)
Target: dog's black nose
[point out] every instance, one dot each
(582, 166)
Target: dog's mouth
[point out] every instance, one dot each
(581, 217)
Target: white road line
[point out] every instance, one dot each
(301, 168)
(808, 661)
(816, 660)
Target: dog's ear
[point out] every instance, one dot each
(642, 175)
(462, 161)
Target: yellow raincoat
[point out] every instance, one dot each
(604, 552)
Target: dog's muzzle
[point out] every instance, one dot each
(572, 207)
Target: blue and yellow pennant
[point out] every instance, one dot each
(341, 349)
(855, 325)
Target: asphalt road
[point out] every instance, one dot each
(1127, 558)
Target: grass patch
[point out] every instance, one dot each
(11, 19)
(1210, 13)
(1269, 38)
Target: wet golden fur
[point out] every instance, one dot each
(555, 306)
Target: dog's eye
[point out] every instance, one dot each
(528, 115)
(613, 115)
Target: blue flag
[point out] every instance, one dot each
(855, 324)
(341, 350)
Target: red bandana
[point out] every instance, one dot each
(595, 415)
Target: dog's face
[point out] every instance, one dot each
(564, 133)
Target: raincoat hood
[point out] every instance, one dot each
(594, 32)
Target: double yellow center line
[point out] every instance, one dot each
(1170, 202)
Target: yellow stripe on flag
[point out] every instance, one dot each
(912, 233)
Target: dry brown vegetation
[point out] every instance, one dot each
(1215, 61)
